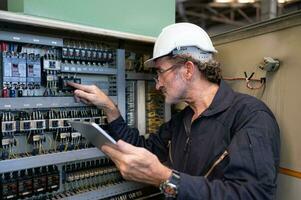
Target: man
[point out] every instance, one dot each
(223, 145)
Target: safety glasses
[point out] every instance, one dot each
(162, 71)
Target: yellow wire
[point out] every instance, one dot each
(66, 146)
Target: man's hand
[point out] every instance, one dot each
(137, 163)
(92, 95)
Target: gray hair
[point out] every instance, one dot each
(205, 62)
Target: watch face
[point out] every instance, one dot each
(170, 186)
(170, 190)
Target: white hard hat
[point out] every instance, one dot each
(180, 35)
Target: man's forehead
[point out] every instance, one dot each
(160, 62)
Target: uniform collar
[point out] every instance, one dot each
(221, 101)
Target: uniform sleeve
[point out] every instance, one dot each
(155, 143)
(252, 169)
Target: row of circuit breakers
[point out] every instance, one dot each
(42, 71)
(37, 71)
(77, 177)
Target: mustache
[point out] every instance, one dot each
(162, 89)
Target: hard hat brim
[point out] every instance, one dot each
(150, 63)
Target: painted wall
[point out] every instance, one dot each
(145, 17)
(289, 188)
(242, 51)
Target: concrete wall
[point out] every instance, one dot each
(145, 17)
(242, 51)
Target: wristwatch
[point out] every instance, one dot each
(170, 187)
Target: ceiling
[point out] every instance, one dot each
(219, 17)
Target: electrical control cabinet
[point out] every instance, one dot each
(41, 156)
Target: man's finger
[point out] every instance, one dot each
(112, 152)
(85, 101)
(83, 95)
(86, 88)
(111, 145)
(77, 99)
(126, 147)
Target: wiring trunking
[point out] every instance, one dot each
(41, 156)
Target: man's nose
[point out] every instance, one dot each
(158, 85)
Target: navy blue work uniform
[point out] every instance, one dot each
(231, 151)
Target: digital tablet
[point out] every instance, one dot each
(93, 133)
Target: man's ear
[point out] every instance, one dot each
(189, 70)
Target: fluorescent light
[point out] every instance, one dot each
(246, 1)
(284, 1)
(223, 1)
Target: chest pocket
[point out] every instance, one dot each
(216, 171)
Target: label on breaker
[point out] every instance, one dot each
(36, 138)
(75, 134)
(7, 141)
(50, 78)
(51, 65)
(64, 135)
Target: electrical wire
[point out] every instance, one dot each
(17, 145)
(50, 141)
(66, 144)
(248, 82)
